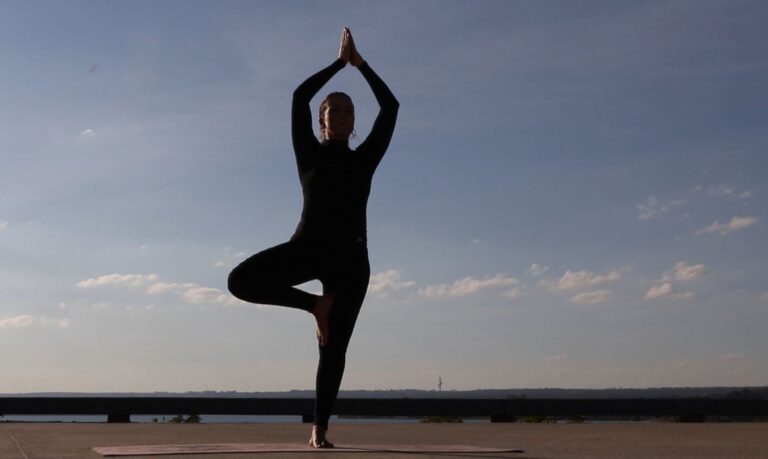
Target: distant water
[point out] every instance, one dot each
(213, 419)
(241, 419)
(224, 419)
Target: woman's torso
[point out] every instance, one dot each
(336, 187)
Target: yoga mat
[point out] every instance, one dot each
(159, 450)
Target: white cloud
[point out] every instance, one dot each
(388, 280)
(26, 320)
(466, 286)
(3, 225)
(21, 321)
(722, 190)
(163, 287)
(131, 280)
(684, 272)
(665, 290)
(193, 293)
(594, 297)
(88, 134)
(537, 269)
(187, 291)
(721, 229)
(512, 294)
(50, 322)
(653, 209)
(199, 295)
(727, 190)
(581, 279)
(659, 291)
(230, 260)
(225, 263)
(547, 283)
(681, 272)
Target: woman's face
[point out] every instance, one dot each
(338, 118)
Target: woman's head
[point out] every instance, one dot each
(337, 117)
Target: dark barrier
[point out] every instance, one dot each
(119, 409)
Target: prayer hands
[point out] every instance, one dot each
(347, 50)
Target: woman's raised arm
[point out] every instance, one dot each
(301, 114)
(384, 126)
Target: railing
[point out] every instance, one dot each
(120, 409)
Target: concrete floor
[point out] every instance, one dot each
(542, 441)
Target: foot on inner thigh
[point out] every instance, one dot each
(318, 439)
(321, 311)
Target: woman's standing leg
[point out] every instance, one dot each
(347, 281)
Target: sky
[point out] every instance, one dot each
(575, 194)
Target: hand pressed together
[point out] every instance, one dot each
(347, 49)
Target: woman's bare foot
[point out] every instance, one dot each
(318, 439)
(321, 311)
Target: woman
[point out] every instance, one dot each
(330, 241)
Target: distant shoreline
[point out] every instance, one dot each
(741, 392)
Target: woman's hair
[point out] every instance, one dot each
(324, 107)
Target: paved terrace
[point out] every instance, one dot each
(541, 441)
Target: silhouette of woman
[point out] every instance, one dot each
(330, 242)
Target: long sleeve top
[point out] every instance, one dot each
(336, 180)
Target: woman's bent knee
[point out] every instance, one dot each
(245, 285)
(235, 283)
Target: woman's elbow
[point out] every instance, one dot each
(300, 96)
(394, 105)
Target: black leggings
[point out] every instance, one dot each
(269, 277)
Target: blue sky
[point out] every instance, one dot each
(575, 195)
